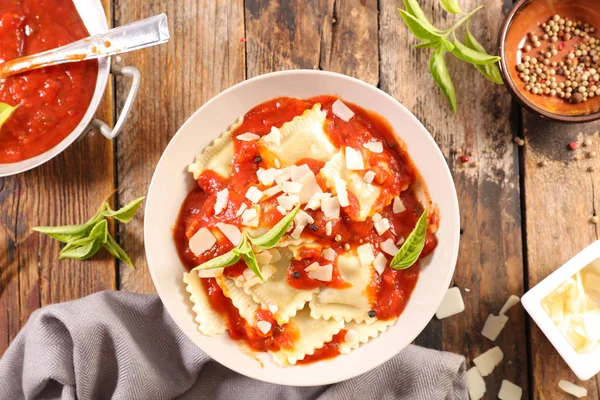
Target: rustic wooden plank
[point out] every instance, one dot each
(66, 190)
(490, 257)
(561, 195)
(205, 56)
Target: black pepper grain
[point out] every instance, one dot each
(314, 228)
(372, 314)
(296, 275)
(257, 159)
(581, 59)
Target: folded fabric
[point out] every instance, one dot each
(125, 346)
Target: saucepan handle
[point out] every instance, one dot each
(134, 74)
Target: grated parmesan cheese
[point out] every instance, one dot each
(365, 254)
(254, 194)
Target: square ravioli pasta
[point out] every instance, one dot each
(289, 233)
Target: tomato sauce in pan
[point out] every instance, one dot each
(53, 100)
(394, 172)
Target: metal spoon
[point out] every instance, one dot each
(137, 35)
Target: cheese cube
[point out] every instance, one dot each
(451, 304)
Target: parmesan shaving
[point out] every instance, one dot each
(375, 147)
(329, 228)
(320, 272)
(231, 232)
(389, 247)
(267, 176)
(354, 159)
(451, 304)
(342, 111)
(202, 241)
(493, 326)
(369, 176)
(250, 217)
(241, 210)
(221, 202)
(342, 193)
(273, 137)
(572, 389)
(511, 302)
(270, 192)
(328, 254)
(365, 254)
(210, 273)
(292, 187)
(487, 361)
(382, 226)
(247, 137)
(264, 326)
(398, 205)
(380, 263)
(475, 384)
(331, 207)
(509, 391)
(253, 194)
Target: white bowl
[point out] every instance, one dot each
(587, 365)
(171, 183)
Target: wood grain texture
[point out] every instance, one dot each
(67, 189)
(561, 196)
(204, 56)
(490, 262)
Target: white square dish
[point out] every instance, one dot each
(586, 365)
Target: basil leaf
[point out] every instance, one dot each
(441, 76)
(67, 233)
(222, 261)
(413, 245)
(427, 45)
(117, 251)
(472, 56)
(419, 29)
(414, 9)
(125, 213)
(80, 249)
(244, 246)
(275, 234)
(250, 259)
(6, 111)
(489, 71)
(451, 6)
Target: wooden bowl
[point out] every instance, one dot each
(525, 17)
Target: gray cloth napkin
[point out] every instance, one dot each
(125, 346)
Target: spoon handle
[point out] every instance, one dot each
(136, 35)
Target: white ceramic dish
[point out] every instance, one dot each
(585, 366)
(93, 17)
(171, 183)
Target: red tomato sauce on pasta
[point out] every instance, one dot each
(394, 172)
(53, 100)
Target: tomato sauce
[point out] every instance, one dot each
(394, 172)
(52, 100)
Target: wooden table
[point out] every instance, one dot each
(519, 220)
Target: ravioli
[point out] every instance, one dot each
(351, 304)
(218, 156)
(210, 323)
(366, 193)
(365, 333)
(242, 301)
(302, 137)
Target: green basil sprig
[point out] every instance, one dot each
(244, 249)
(413, 245)
(84, 240)
(6, 111)
(431, 37)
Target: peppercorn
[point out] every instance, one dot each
(464, 159)
(577, 98)
(296, 275)
(257, 159)
(372, 313)
(573, 145)
(314, 228)
(595, 219)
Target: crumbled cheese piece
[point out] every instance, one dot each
(282, 210)
(351, 337)
(221, 202)
(301, 220)
(273, 137)
(389, 247)
(314, 203)
(263, 258)
(365, 254)
(247, 137)
(201, 241)
(400, 241)
(382, 226)
(273, 308)
(210, 273)
(509, 391)
(264, 326)
(284, 174)
(354, 159)
(328, 228)
(369, 176)
(346, 246)
(380, 263)
(297, 172)
(272, 191)
(487, 361)
(451, 304)
(275, 254)
(253, 194)
(342, 193)
(320, 272)
(342, 111)
(511, 302)
(250, 217)
(591, 325)
(375, 147)
(338, 238)
(377, 217)
(398, 206)
(572, 389)
(277, 162)
(267, 176)
(493, 326)
(331, 207)
(288, 201)
(309, 187)
(241, 210)
(248, 274)
(231, 232)
(329, 254)
(268, 271)
(292, 187)
(467, 289)
(475, 384)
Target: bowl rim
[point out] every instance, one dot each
(94, 19)
(511, 86)
(436, 298)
